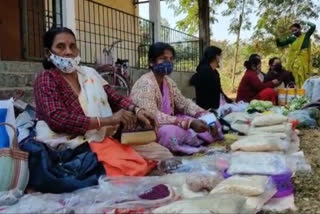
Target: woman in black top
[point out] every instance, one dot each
(207, 80)
(276, 71)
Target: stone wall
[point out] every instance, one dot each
(16, 75)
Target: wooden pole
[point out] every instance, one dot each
(204, 28)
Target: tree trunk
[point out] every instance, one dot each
(236, 53)
(204, 25)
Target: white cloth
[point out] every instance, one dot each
(312, 87)
(94, 102)
(93, 99)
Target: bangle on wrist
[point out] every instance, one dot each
(138, 110)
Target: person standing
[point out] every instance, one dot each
(299, 56)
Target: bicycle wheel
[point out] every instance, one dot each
(117, 81)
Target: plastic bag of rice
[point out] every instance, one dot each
(269, 120)
(261, 143)
(244, 185)
(281, 128)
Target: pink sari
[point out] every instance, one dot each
(177, 139)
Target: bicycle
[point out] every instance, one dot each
(116, 73)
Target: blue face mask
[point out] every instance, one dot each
(164, 68)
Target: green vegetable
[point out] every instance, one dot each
(260, 105)
(298, 103)
(267, 104)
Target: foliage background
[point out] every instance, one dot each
(274, 17)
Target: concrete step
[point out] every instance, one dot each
(16, 66)
(8, 92)
(17, 79)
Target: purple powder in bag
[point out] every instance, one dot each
(284, 184)
(157, 192)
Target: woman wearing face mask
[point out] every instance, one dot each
(252, 87)
(180, 130)
(209, 94)
(299, 55)
(276, 71)
(73, 102)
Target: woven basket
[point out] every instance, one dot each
(14, 171)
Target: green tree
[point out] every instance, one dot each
(189, 8)
(240, 11)
(276, 15)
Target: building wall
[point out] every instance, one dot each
(123, 5)
(10, 35)
(98, 27)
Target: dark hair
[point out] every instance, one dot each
(210, 54)
(271, 61)
(254, 60)
(157, 49)
(297, 25)
(48, 39)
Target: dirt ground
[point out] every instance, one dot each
(307, 187)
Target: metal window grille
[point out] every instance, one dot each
(186, 47)
(38, 17)
(98, 26)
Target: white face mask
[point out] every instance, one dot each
(64, 64)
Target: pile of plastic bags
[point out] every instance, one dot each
(254, 174)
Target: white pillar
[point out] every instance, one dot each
(155, 17)
(69, 14)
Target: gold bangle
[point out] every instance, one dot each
(137, 110)
(99, 122)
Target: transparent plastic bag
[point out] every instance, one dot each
(257, 189)
(280, 204)
(36, 203)
(261, 143)
(269, 120)
(282, 128)
(139, 193)
(244, 185)
(207, 163)
(10, 197)
(198, 182)
(304, 118)
(261, 163)
(217, 203)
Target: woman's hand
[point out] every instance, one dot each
(213, 130)
(111, 130)
(126, 118)
(147, 118)
(199, 126)
(276, 82)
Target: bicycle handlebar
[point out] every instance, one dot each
(111, 47)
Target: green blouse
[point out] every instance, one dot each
(291, 39)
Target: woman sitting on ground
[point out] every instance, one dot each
(276, 71)
(209, 94)
(252, 85)
(75, 102)
(180, 130)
